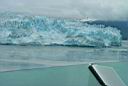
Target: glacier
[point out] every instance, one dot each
(26, 29)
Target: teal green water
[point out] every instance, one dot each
(77, 75)
(58, 76)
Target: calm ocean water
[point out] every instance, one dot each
(14, 57)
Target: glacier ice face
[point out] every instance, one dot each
(16, 28)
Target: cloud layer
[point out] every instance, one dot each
(93, 9)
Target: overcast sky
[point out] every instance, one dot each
(93, 9)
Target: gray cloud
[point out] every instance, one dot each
(94, 9)
(103, 9)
